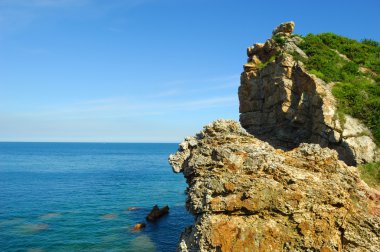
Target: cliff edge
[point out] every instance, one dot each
(248, 196)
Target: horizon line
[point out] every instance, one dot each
(99, 142)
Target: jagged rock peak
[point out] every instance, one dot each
(286, 28)
(248, 196)
(285, 105)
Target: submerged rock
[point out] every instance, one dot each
(157, 213)
(248, 196)
(33, 228)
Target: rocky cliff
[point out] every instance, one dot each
(283, 104)
(279, 183)
(248, 196)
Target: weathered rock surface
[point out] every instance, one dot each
(286, 28)
(248, 196)
(280, 102)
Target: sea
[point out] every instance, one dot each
(88, 197)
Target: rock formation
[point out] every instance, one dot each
(280, 183)
(248, 196)
(283, 104)
(139, 226)
(157, 213)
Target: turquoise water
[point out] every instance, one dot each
(75, 197)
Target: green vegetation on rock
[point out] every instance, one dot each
(279, 39)
(370, 173)
(361, 99)
(355, 68)
(322, 51)
(264, 64)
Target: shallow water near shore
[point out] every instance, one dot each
(75, 197)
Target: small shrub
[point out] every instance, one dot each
(317, 73)
(279, 40)
(370, 42)
(350, 68)
(263, 65)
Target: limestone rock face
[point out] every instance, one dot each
(248, 196)
(280, 102)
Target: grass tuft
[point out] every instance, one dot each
(370, 173)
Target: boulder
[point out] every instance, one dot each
(157, 213)
(139, 226)
(286, 28)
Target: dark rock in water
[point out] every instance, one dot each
(157, 213)
(139, 226)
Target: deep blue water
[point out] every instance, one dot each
(75, 197)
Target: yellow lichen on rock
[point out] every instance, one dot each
(305, 199)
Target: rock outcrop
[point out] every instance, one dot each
(283, 104)
(156, 213)
(248, 196)
(139, 226)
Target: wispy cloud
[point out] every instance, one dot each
(210, 81)
(41, 3)
(153, 115)
(134, 107)
(16, 14)
(222, 101)
(213, 93)
(165, 93)
(199, 86)
(19, 14)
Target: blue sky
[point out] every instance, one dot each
(141, 70)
